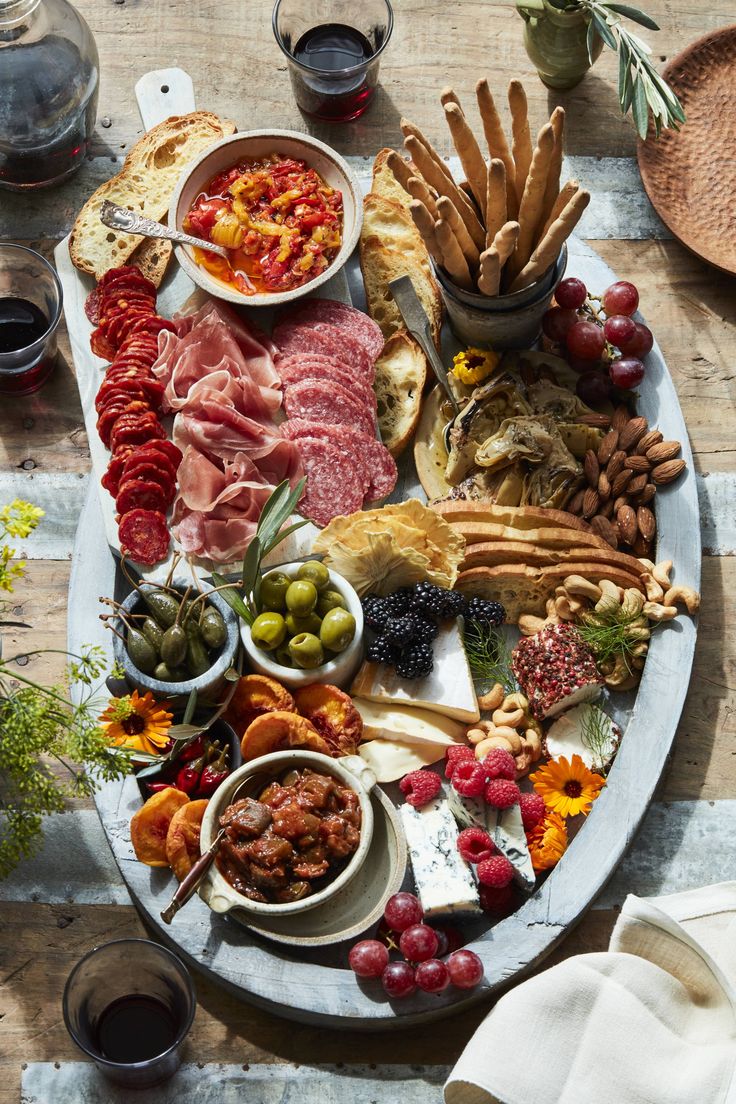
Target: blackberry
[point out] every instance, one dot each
(382, 650)
(428, 600)
(374, 612)
(415, 661)
(399, 602)
(454, 603)
(425, 630)
(400, 630)
(484, 612)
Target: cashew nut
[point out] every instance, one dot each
(564, 609)
(633, 602)
(638, 633)
(550, 607)
(608, 604)
(512, 718)
(621, 676)
(482, 749)
(530, 625)
(475, 735)
(576, 584)
(655, 612)
(609, 587)
(684, 595)
(662, 572)
(647, 564)
(518, 700)
(490, 701)
(511, 736)
(655, 593)
(534, 740)
(640, 650)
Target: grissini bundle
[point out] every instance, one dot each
(549, 248)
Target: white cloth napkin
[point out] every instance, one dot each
(650, 1021)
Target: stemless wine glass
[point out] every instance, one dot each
(333, 48)
(29, 290)
(129, 1005)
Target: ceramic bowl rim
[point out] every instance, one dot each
(525, 298)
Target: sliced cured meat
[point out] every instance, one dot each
(111, 479)
(373, 457)
(320, 401)
(150, 473)
(363, 328)
(333, 487)
(135, 493)
(134, 433)
(92, 306)
(169, 450)
(144, 536)
(342, 437)
(293, 369)
(331, 341)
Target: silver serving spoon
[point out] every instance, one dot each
(120, 218)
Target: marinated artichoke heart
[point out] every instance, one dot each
(489, 405)
(566, 408)
(555, 474)
(504, 488)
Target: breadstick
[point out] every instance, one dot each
(490, 272)
(522, 140)
(454, 264)
(449, 212)
(496, 142)
(496, 209)
(531, 206)
(565, 195)
(469, 153)
(410, 131)
(557, 122)
(549, 248)
(448, 95)
(400, 168)
(425, 225)
(505, 241)
(418, 189)
(427, 167)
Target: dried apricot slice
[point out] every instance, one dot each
(255, 695)
(279, 731)
(150, 825)
(182, 838)
(333, 714)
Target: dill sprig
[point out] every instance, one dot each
(609, 634)
(489, 655)
(596, 736)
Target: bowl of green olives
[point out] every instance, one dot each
(170, 640)
(308, 628)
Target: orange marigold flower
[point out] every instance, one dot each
(136, 722)
(568, 788)
(547, 842)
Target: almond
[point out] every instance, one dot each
(665, 450)
(603, 528)
(637, 464)
(653, 437)
(642, 547)
(621, 482)
(646, 521)
(668, 472)
(591, 468)
(591, 502)
(620, 417)
(575, 505)
(646, 495)
(622, 500)
(608, 446)
(627, 526)
(604, 487)
(637, 484)
(632, 433)
(597, 421)
(615, 464)
(607, 509)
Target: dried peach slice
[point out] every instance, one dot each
(182, 838)
(150, 825)
(333, 714)
(279, 731)
(255, 695)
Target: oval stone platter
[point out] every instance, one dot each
(314, 985)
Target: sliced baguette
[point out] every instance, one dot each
(485, 533)
(385, 183)
(520, 517)
(533, 555)
(401, 373)
(144, 184)
(152, 257)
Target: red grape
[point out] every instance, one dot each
(402, 910)
(556, 322)
(586, 340)
(582, 366)
(619, 329)
(626, 372)
(593, 388)
(419, 943)
(466, 969)
(620, 298)
(641, 343)
(368, 959)
(450, 940)
(398, 980)
(571, 293)
(432, 976)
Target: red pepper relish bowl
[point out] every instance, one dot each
(253, 147)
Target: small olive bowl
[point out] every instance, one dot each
(338, 671)
(351, 770)
(206, 685)
(253, 145)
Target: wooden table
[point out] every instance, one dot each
(49, 916)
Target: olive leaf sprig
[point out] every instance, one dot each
(640, 87)
(277, 510)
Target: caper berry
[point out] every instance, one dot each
(141, 651)
(164, 607)
(164, 673)
(338, 629)
(301, 597)
(174, 646)
(268, 631)
(273, 590)
(213, 628)
(153, 632)
(314, 572)
(330, 599)
(306, 651)
(309, 624)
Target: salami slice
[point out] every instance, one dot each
(295, 368)
(372, 457)
(92, 306)
(111, 479)
(144, 535)
(343, 437)
(332, 488)
(331, 341)
(138, 434)
(143, 494)
(319, 401)
(359, 325)
(147, 464)
(169, 450)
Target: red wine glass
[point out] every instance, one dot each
(30, 312)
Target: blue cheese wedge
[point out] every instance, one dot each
(444, 881)
(505, 828)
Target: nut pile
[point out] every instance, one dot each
(622, 478)
(511, 728)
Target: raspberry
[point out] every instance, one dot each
(500, 764)
(496, 900)
(495, 872)
(501, 793)
(454, 754)
(475, 845)
(532, 810)
(420, 786)
(469, 778)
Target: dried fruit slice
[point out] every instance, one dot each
(182, 838)
(150, 825)
(279, 731)
(255, 695)
(334, 716)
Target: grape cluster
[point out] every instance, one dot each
(606, 352)
(406, 622)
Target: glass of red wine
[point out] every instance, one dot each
(129, 1005)
(333, 48)
(30, 312)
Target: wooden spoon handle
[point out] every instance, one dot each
(189, 884)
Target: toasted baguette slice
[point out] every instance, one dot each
(485, 532)
(385, 183)
(520, 517)
(144, 184)
(152, 257)
(522, 589)
(401, 372)
(534, 555)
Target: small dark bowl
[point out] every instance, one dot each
(218, 730)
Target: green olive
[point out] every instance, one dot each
(338, 629)
(273, 590)
(314, 572)
(306, 651)
(301, 597)
(282, 655)
(309, 624)
(268, 631)
(330, 599)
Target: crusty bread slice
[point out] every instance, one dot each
(522, 589)
(495, 553)
(484, 532)
(401, 372)
(520, 517)
(385, 183)
(144, 184)
(152, 257)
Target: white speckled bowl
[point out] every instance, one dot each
(254, 144)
